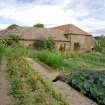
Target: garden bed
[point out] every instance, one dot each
(90, 83)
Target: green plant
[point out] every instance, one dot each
(49, 43)
(90, 60)
(28, 87)
(100, 45)
(16, 86)
(39, 25)
(11, 40)
(50, 58)
(90, 83)
(44, 44)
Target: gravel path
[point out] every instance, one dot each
(71, 95)
(4, 86)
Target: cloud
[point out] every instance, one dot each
(2, 26)
(46, 14)
(87, 14)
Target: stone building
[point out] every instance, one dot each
(79, 40)
(68, 37)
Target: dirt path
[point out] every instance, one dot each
(4, 86)
(71, 95)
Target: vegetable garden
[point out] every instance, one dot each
(90, 83)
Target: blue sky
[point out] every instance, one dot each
(87, 14)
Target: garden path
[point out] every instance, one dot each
(5, 99)
(70, 94)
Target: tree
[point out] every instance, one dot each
(39, 25)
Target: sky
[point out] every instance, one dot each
(86, 14)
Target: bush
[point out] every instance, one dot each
(49, 44)
(44, 44)
(90, 83)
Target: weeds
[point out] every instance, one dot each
(28, 87)
(50, 58)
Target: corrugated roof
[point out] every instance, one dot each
(32, 33)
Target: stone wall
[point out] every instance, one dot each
(27, 43)
(86, 43)
(59, 44)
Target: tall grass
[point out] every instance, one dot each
(52, 59)
(28, 87)
(17, 51)
(71, 60)
(90, 60)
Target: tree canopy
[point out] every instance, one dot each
(40, 25)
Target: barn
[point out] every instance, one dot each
(69, 36)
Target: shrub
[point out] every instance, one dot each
(49, 43)
(44, 44)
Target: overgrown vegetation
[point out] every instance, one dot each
(82, 69)
(71, 61)
(50, 58)
(44, 44)
(28, 87)
(49, 44)
(90, 60)
(90, 83)
(12, 40)
(100, 45)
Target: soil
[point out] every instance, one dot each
(5, 99)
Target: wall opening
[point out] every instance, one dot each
(62, 47)
(76, 46)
